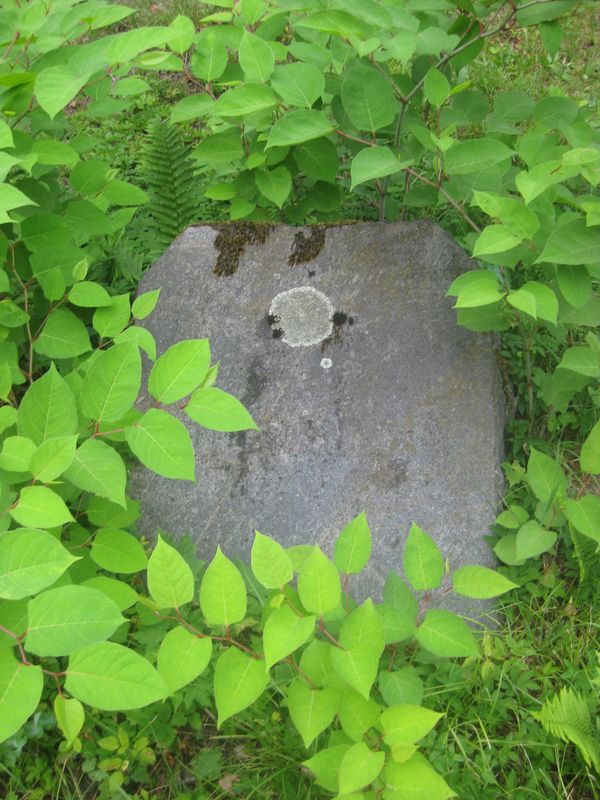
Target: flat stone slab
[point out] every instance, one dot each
(341, 343)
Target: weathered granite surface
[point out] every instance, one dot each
(398, 411)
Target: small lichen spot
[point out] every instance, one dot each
(326, 363)
(303, 314)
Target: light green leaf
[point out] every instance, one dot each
(298, 127)
(88, 178)
(340, 23)
(545, 476)
(122, 193)
(298, 84)
(436, 87)
(118, 551)
(284, 632)
(475, 288)
(401, 686)
(397, 594)
(480, 582)
(112, 383)
(256, 58)
(145, 304)
(572, 243)
(495, 239)
(363, 626)
(589, 458)
(352, 549)
(446, 634)
(360, 766)
(110, 320)
(64, 619)
(311, 710)
(318, 159)
(170, 579)
(162, 444)
(249, 98)
(584, 515)
(55, 87)
(70, 716)
(185, 31)
(40, 507)
(422, 561)
(357, 715)
(357, 666)
(475, 155)
(274, 184)
(326, 766)
(179, 370)
(17, 452)
(121, 593)
(52, 458)
(63, 336)
(182, 657)
(574, 283)
(239, 681)
(223, 592)
(582, 360)
(415, 779)
(532, 540)
(20, 692)
(210, 57)
(30, 560)
(319, 584)
(192, 106)
(396, 626)
(271, 565)
(368, 98)
(218, 411)
(6, 135)
(54, 153)
(374, 162)
(98, 468)
(111, 677)
(47, 409)
(10, 198)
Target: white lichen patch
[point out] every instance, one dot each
(326, 363)
(304, 315)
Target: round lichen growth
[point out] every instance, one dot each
(303, 314)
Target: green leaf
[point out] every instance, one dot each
(250, 98)
(185, 31)
(407, 723)
(574, 284)
(218, 411)
(47, 409)
(10, 198)
(474, 155)
(182, 657)
(63, 336)
(311, 710)
(89, 177)
(589, 458)
(6, 136)
(193, 106)
(480, 582)
(446, 634)
(145, 304)
(98, 468)
(298, 84)
(584, 515)
(110, 320)
(340, 23)
(55, 87)
(170, 580)
(179, 370)
(210, 57)
(582, 360)
(374, 162)
(397, 594)
(545, 476)
(223, 592)
(368, 98)
(121, 593)
(436, 87)
(363, 626)
(422, 561)
(111, 677)
(256, 58)
(64, 619)
(30, 560)
(20, 693)
(122, 193)
(357, 666)
(532, 540)
(401, 686)
(395, 624)
(17, 452)
(298, 127)
(319, 584)
(318, 159)
(55, 153)
(284, 632)
(533, 183)
(239, 681)
(352, 549)
(118, 551)
(357, 715)
(475, 288)
(572, 243)
(111, 385)
(162, 444)
(326, 765)
(274, 184)
(271, 565)
(495, 239)
(520, 220)
(360, 767)
(415, 779)
(40, 507)
(70, 716)
(52, 458)
(88, 294)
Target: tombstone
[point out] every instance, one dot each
(343, 346)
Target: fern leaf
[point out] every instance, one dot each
(567, 716)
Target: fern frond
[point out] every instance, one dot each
(567, 716)
(169, 173)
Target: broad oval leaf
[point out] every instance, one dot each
(368, 98)
(162, 444)
(70, 716)
(111, 385)
(179, 370)
(415, 779)
(283, 633)
(357, 666)
(446, 634)
(352, 549)
(111, 677)
(218, 411)
(422, 561)
(319, 584)
(223, 592)
(40, 507)
(239, 681)
(360, 766)
(63, 336)
(170, 579)
(589, 458)
(480, 582)
(30, 560)
(55, 87)
(118, 551)
(47, 409)
(407, 723)
(182, 656)
(20, 693)
(271, 565)
(298, 84)
(311, 710)
(256, 58)
(98, 468)
(298, 127)
(52, 458)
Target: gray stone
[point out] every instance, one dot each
(386, 405)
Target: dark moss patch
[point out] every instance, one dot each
(305, 248)
(232, 240)
(339, 318)
(276, 332)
